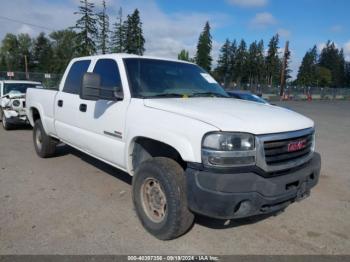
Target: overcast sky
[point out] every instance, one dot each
(170, 25)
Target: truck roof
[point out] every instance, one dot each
(124, 55)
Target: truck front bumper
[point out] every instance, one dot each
(15, 118)
(18, 120)
(237, 195)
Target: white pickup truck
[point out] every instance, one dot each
(189, 147)
(12, 102)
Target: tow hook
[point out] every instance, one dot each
(302, 192)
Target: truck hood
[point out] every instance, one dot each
(13, 95)
(228, 114)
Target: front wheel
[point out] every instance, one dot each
(5, 124)
(159, 196)
(45, 145)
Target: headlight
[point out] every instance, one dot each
(225, 149)
(16, 103)
(229, 141)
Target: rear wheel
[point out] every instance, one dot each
(159, 196)
(45, 145)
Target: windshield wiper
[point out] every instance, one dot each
(166, 95)
(207, 94)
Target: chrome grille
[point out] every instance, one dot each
(272, 150)
(276, 152)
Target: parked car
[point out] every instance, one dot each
(12, 102)
(246, 95)
(190, 148)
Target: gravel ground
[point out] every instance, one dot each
(73, 204)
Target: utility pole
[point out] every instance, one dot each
(26, 66)
(284, 65)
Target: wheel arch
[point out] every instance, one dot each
(141, 148)
(34, 113)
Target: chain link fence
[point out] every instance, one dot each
(269, 92)
(47, 79)
(298, 92)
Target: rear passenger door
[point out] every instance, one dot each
(102, 122)
(67, 105)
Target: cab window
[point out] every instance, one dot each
(73, 81)
(110, 76)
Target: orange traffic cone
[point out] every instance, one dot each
(309, 97)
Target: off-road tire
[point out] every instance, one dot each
(47, 145)
(170, 175)
(5, 124)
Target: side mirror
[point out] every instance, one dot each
(90, 87)
(118, 93)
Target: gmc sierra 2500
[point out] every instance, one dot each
(189, 147)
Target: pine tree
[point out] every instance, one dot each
(204, 46)
(103, 21)
(224, 63)
(87, 29)
(128, 36)
(233, 56)
(183, 55)
(134, 40)
(307, 70)
(333, 59)
(347, 74)
(323, 76)
(260, 62)
(341, 68)
(272, 61)
(118, 34)
(241, 63)
(252, 62)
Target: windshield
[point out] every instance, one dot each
(149, 78)
(17, 87)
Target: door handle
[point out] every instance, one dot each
(60, 103)
(82, 107)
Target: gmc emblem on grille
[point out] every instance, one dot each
(296, 145)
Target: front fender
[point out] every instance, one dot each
(181, 144)
(180, 132)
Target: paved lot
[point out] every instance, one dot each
(73, 204)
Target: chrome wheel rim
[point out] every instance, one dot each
(38, 139)
(153, 200)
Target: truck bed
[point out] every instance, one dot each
(44, 101)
